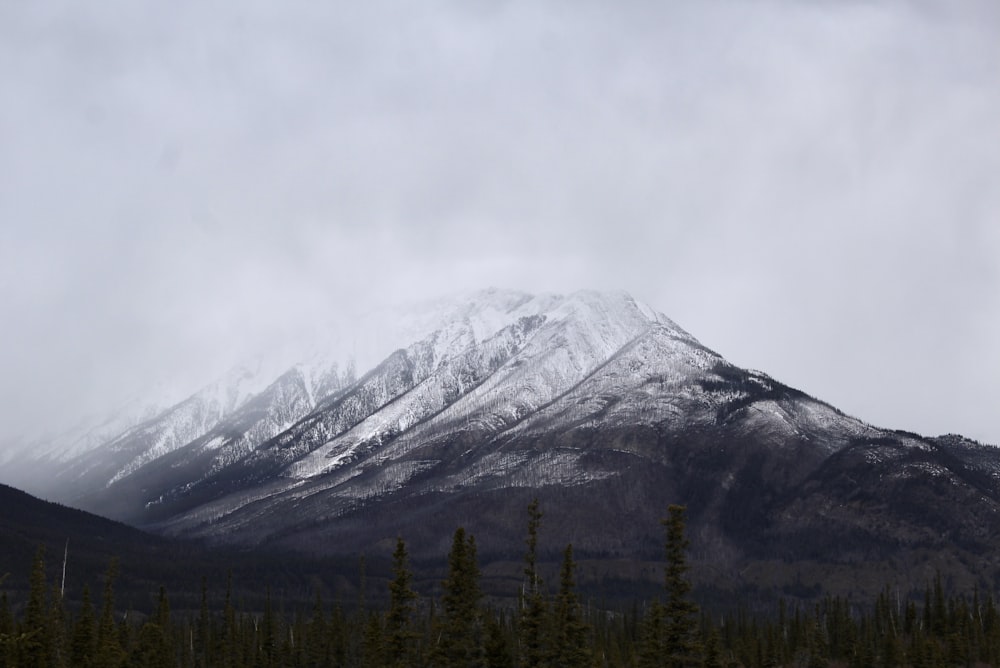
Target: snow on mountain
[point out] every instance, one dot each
(485, 368)
(189, 419)
(477, 375)
(93, 430)
(457, 412)
(555, 363)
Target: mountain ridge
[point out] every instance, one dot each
(576, 399)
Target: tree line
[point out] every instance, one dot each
(548, 627)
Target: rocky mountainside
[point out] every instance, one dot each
(602, 408)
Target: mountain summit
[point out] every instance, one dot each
(596, 404)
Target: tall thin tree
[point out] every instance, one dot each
(532, 648)
(681, 644)
(400, 636)
(570, 637)
(460, 628)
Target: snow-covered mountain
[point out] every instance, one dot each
(592, 401)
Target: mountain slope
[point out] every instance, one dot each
(145, 562)
(602, 408)
(26, 523)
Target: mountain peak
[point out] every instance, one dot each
(466, 406)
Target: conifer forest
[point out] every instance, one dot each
(547, 625)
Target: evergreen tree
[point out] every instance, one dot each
(372, 645)
(82, 644)
(8, 630)
(681, 646)
(713, 658)
(531, 623)
(317, 637)
(202, 643)
(36, 646)
(154, 645)
(268, 641)
(817, 643)
(399, 634)
(460, 629)
(939, 615)
(497, 646)
(109, 652)
(570, 642)
(228, 643)
(338, 637)
(652, 652)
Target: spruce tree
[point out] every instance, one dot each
(817, 642)
(570, 642)
(268, 642)
(162, 634)
(337, 636)
(939, 616)
(681, 646)
(228, 642)
(36, 647)
(7, 631)
(372, 645)
(713, 658)
(317, 637)
(531, 623)
(652, 634)
(202, 642)
(109, 652)
(399, 634)
(460, 628)
(82, 644)
(497, 644)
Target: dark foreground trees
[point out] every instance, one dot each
(670, 632)
(458, 627)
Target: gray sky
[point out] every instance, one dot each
(812, 188)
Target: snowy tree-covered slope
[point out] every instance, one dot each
(593, 364)
(591, 400)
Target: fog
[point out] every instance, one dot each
(811, 188)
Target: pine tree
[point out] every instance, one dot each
(338, 637)
(372, 645)
(817, 642)
(268, 642)
(497, 645)
(651, 648)
(202, 642)
(317, 637)
(7, 632)
(155, 642)
(399, 634)
(713, 658)
(571, 644)
(939, 616)
(460, 628)
(36, 646)
(82, 644)
(109, 652)
(228, 643)
(681, 644)
(531, 623)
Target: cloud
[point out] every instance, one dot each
(809, 187)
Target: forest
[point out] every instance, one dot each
(548, 625)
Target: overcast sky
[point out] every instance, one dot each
(811, 188)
